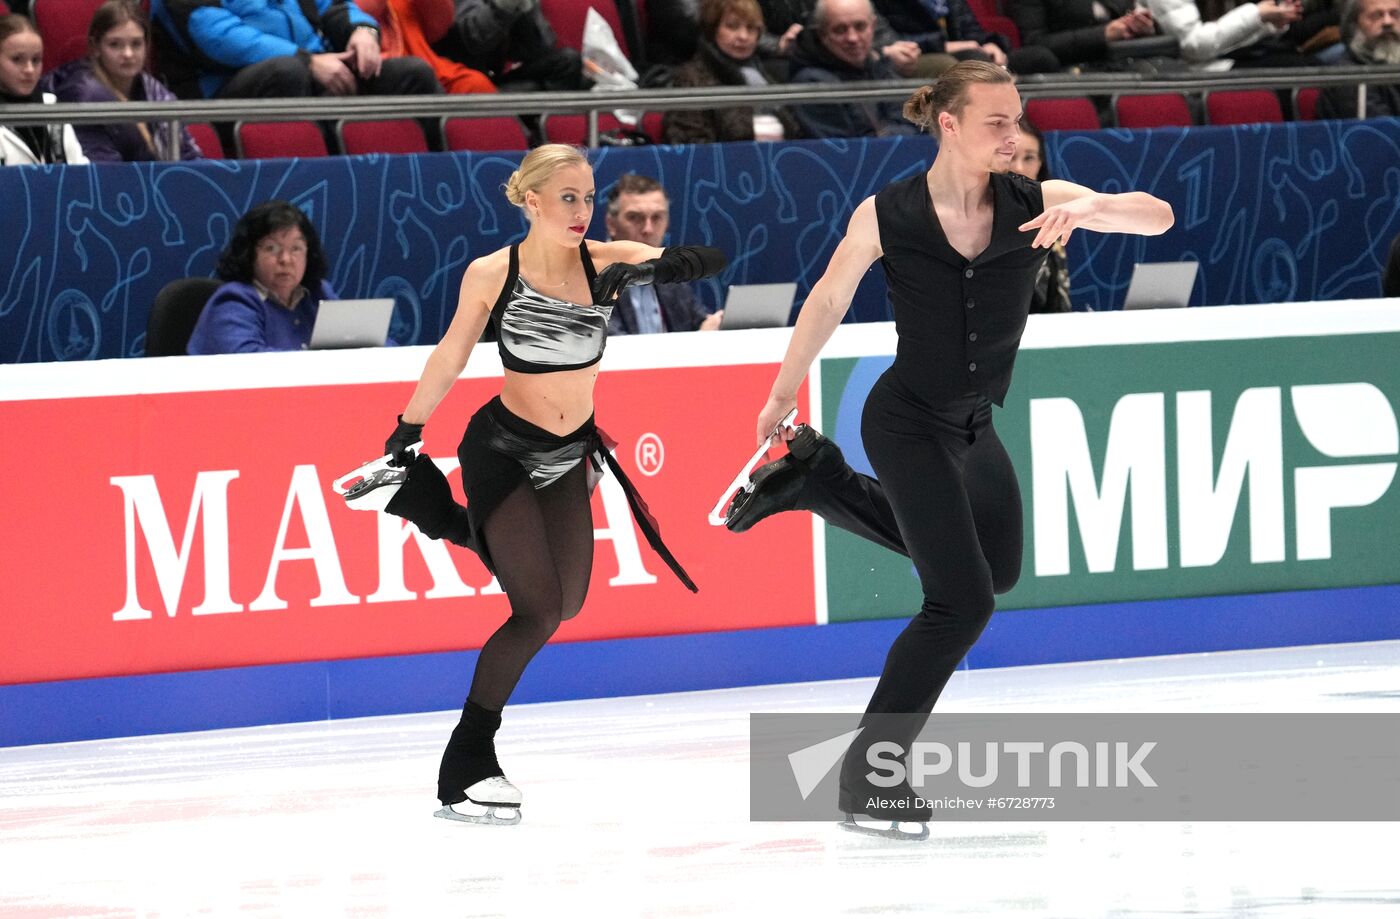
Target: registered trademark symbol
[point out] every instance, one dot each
(650, 454)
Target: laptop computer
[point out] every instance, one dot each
(1159, 285)
(758, 306)
(352, 323)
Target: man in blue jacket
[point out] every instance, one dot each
(278, 48)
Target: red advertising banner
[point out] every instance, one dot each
(191, 530)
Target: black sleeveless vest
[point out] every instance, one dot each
(959, 323)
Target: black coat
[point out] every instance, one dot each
(812, 63)
(1382, 100)
(1066, 27)
(710, 67)
(911, 22)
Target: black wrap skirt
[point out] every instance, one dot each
(500, 451)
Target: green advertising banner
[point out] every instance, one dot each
(1170, 469)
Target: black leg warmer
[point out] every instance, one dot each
(425, 500)
(470, 755)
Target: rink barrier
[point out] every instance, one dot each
(123, 615)
(74, 710)
(1273, 213)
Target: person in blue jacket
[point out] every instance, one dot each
(285, 48)
(274, 280)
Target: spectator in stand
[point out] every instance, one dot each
(249, 49)
(21, 59)
(274, 274)
(511, 42)
(950, 29)
(1080, 31)
(1051, 291)
(1371, 34)
(1224, 34)
(728, 55)
(638, 211)
(115, 71)
(408, 28)
(839, 48)
(786, 19)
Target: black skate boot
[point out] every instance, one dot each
(778, 486)
(894, 813)
(424, 499)
(891, 813)
(471, 785)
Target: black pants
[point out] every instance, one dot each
(279, 77)
(518, 52)
(947, 497)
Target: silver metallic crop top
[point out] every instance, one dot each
(537, 333)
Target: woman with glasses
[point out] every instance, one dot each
(274, 280)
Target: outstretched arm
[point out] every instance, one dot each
(664, 266)
(1069, 206)
(822, 312)
(449, 358)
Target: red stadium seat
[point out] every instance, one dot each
(652, 126)
(259, 140)
(567, 18)
(400, 135)
(573, 129)
(4, 10)
(1305, 103)
(1243, 106)
(990, 17)
(1077, 114)
(63, 25)
(1154, 111)
(498, 133)
(208, 140)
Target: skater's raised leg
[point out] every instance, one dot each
(814, 476)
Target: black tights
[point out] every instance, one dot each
(947, 498)
(542, 545)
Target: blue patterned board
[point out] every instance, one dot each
(1279, 212)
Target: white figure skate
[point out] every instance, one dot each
(490, 802)
(742, 482)
(905, 830)
(370, 487)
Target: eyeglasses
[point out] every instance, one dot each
(275, 250)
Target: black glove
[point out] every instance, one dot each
(404, 436)
(619, 276)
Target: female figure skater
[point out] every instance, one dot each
(531, 456)
(961, 246)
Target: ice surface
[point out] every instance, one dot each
(639, 807)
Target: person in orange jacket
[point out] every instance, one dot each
(409, 27)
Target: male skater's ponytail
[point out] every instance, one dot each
(949, 92)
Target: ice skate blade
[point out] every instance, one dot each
(720, 513)
(893, 831)
(352, 479)
(375, 492)
(494, 815)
